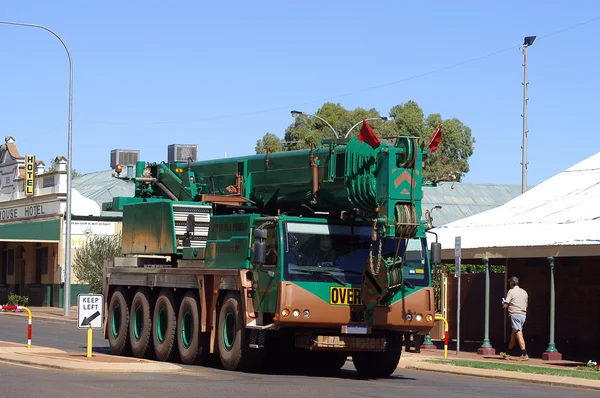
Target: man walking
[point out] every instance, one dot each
(516, 302)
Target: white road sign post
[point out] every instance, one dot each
(90, 315)
(457, 258)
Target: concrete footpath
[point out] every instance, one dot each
(58, 359)
(418, 361)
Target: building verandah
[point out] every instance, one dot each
(32, 228)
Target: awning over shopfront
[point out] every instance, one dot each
(47, 230)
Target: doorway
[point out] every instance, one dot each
(41, 263)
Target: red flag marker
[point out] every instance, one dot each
(435, 139)
(367, 135)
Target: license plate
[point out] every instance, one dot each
(354, 329)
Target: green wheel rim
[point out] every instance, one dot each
(187, 328)
(229, 331)
(138, 322)
(161, 325)
(115, 321)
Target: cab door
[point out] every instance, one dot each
(268, 275)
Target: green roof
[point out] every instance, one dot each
(458, 199)
(461, 200)
(101, 187)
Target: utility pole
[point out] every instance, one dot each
(526, 43)
(67, 291)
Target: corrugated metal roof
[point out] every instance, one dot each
(560, 211)
(101, 187)
(460, 200)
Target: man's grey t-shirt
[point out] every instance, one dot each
(517, 301)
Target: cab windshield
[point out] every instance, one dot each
(328, 252)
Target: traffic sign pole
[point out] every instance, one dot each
(89, 341)
(457, 258)
(90, 316)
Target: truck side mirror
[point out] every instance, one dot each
(436, 253)
(259, 247)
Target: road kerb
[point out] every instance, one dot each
(78, 365)
(506, 375)
(32, 350)
(43, 316)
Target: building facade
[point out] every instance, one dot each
(32, 228)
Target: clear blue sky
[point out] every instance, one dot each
(220, 75)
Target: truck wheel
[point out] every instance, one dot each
(164, 326)
(330, 361)
(140, 326)
(379, 364)
(193, 345)
(232, 335)
(118, 322)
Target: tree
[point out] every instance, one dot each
(270, 142)
(88, 262)
(307, 130)
(52, 168)
(451, 159)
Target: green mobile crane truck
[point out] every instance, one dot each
(305, 256)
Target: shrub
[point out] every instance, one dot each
(15, 299)
(88, 262)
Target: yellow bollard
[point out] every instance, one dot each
(89, 342)
(439, 318)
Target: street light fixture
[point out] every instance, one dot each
(528, 41)
(383, 118)
(298, 113)
(67, 292)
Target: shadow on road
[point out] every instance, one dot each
(266, 370)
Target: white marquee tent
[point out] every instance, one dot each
(561, 216)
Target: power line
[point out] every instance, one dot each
(342, 95)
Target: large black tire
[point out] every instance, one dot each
(379, 364)
(330, 360)
(118, 322)
(233, 337)
(192, 345)
(164, 326)
(140, 323)
(316, 361)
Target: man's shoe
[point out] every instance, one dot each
(504, 355)
(524, 358)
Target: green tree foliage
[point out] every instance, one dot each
(307, 130)
(52, 168)
(88, 262)
(270, 142)
(449, 162)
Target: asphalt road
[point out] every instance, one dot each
(26, 381)
(55, 334)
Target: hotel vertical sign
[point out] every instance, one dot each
(29, 174)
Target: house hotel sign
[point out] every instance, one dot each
(29, 174)
(29, 211)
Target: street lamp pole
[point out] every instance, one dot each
(383, 118)
(528, 41)
(67, 292)
(298, 113)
